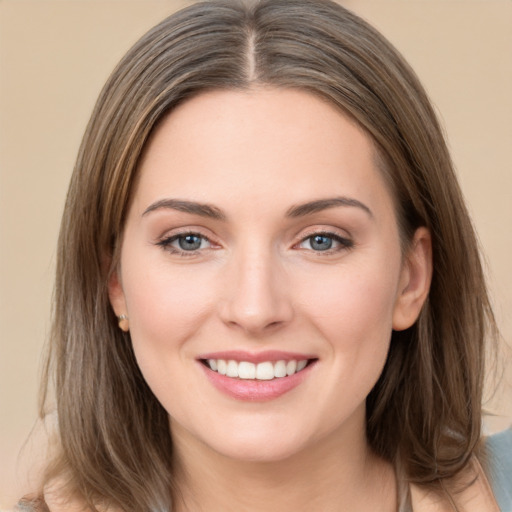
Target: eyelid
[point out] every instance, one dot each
(346, 242)
(164, 241)
(197, 230)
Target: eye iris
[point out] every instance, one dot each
(321, 243)
(189, 242)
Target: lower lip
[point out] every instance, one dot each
(256, 390)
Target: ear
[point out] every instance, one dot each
(117, 299)
(415, 278)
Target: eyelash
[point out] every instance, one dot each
(344, 243)
(165, 243)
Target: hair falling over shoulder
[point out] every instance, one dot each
(424, 413)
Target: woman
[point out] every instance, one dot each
(269, 293)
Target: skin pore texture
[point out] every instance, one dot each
(261, 230)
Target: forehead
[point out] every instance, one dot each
(280, 144)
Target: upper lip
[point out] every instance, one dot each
(257, 357)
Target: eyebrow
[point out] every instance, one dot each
(301, 210)
(202, 209)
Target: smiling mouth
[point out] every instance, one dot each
(266, 370)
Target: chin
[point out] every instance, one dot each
(259, 445)
(259, 452)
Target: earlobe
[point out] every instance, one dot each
(117, 300)
(415, 280)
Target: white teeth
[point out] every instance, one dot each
(301, 365)
(261, 371)
(280, 369)
(265, 371)
(232, 369)
(246, 370)
(291, 367)
(222, 366)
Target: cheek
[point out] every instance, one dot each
(354, 315)
(360, 296)
(165, 303)
(354, 309)
(166, 307)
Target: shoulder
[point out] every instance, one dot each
(28, 504)
(52, 501)
(53, 498)
(468, 491)
(473, 489)
(40, 504)
(31, 504)
(499, 467)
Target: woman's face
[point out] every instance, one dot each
(262, 238)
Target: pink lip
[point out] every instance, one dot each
(259, 357)
(255, 390)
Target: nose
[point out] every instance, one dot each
(256, 297)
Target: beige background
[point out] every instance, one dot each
(55, 56)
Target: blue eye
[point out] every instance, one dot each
(185, 243)
(321, 242)
(324, 242)
(189, 242)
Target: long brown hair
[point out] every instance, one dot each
(424, 412)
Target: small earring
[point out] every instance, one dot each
(123, 323)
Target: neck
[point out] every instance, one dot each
(335, 474)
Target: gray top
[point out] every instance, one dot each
(499, 448)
